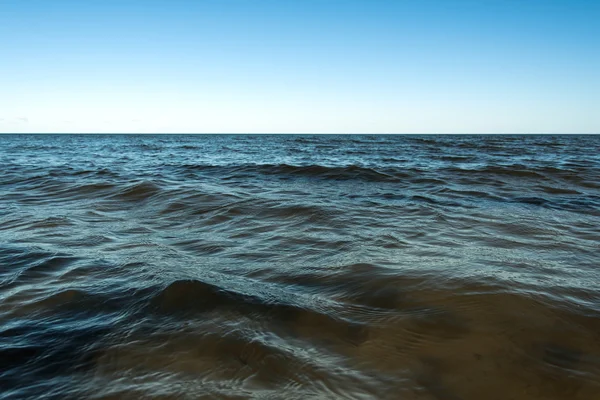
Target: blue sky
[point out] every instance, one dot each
(373, 66)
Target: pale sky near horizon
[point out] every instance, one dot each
(312, 66)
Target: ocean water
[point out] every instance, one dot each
(299, 267)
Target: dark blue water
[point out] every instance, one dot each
(299, 267)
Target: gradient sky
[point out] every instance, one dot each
(372, 66)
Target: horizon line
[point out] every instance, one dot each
(299, 133)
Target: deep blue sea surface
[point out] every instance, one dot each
(299, 267)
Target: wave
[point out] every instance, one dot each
(350, 172)
(137, 191)
(388, 173)
(190, 297)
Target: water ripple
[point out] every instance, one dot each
(354, 267)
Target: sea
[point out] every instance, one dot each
(433, 267)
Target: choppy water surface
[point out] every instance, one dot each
(300, 267)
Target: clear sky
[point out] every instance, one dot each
(372, 66)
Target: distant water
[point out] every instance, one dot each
(300, 267)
